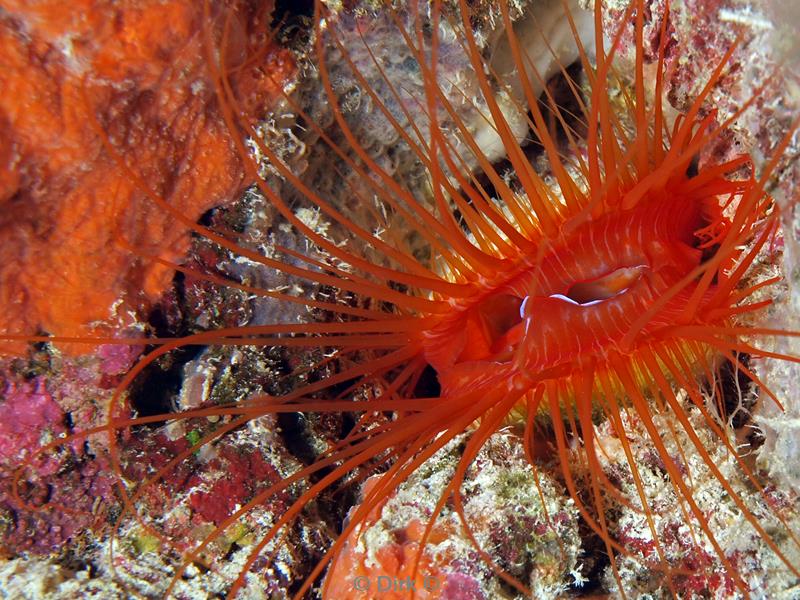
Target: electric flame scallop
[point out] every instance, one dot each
(550, 263)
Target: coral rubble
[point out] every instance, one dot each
(71, 213)
(521, 519)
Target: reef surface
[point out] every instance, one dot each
(71, 213)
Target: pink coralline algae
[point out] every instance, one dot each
(29, 417)
(244, 474)
(39, 517)
(458, 586)
(211, 483)
(48, 498)
(177, 507)
(72, 510)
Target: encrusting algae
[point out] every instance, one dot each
(654, 491)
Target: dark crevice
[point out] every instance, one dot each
(297, 437)
(567, 105)
(348, 424)
(291, 14)
(428, 384)
(207, 218)
(595, 562)
(154, 390)
(735, 386)
(300, 433)
(694, 167)
(698, 243)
